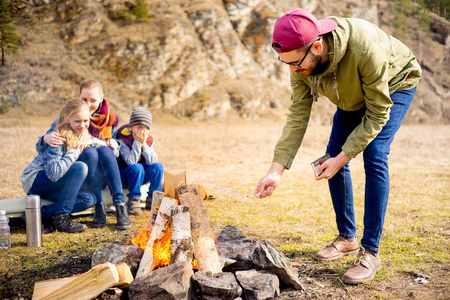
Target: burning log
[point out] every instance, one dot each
(156, 203)
(182, 243)
(162, 224)
(172, 181)
(204, 248)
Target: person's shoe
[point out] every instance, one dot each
(362, 269)
(338, 247)
(99, 216)
(148, 203)
(63, 223)
(123, 222)
(133, 206)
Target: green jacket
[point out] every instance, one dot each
(366, 66)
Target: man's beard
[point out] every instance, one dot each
(320, 68)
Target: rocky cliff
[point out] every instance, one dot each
(198, 59)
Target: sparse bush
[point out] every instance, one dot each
(400, 25)
(4, 105)
(141, 11)
(21, 95)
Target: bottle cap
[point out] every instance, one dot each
(32, 201)
(2, 212)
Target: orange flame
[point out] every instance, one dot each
(194, 264)
(162, 251)
(142, 237)
(161, 248)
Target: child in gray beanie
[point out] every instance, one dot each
(138, 160)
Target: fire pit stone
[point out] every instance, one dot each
(115, 254)
(221, 286)
(267, 257)
(230, 233)
(259, 285)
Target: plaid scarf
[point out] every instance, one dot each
(102, 122)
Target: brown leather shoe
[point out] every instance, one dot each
(363, 268)
(336, 249)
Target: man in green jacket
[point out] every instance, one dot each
(372, 79)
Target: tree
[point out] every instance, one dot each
(8, 39)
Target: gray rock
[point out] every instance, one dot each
(238, 250)
(221, 286)
(230, 233)
(267, 257)
(170, 283)
(115, 254)
(259, 285)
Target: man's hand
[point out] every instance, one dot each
(267, 184)
(331, 166)
(54, 139)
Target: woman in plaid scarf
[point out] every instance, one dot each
(103, 125)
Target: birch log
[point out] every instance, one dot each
(85, 286)
(181, 241)
(173, 180)
(156, 203)
(162, 223)
(204, 248)
(44, 288)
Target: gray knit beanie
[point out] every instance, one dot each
(141, 116)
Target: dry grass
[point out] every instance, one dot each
(229, 157)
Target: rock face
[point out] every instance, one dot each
(198, 59)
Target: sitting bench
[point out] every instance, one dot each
(16, 207)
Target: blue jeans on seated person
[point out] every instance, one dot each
(376, 168)
(65, 193)
(135, 175)
(92, 182)
(109, 174)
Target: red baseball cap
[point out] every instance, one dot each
(297, 28)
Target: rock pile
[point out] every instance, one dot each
(251, 270)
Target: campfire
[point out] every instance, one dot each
(178, 230)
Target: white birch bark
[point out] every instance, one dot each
(160, 227)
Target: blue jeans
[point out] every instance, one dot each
(109, 174)
(65, 192)
(135, 175)
(92, 182)
(376, 168)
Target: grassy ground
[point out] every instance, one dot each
(229, 157)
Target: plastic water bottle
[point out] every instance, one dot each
(5, 233)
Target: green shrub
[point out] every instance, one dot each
(4, 105)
